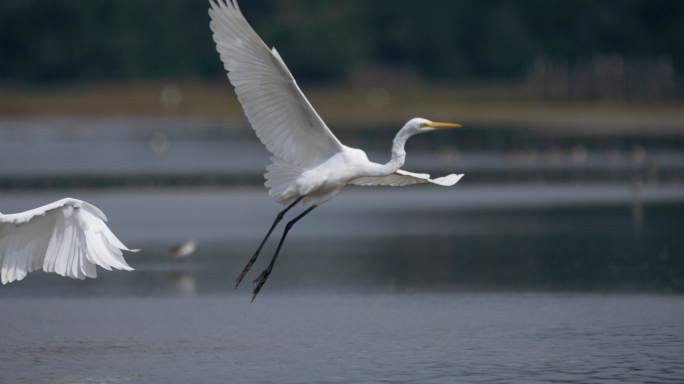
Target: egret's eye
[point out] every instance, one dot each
(424, 125)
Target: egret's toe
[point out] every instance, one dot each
(260, 280)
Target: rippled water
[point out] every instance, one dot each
(321, 338)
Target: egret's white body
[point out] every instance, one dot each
(68, 237)
(321, 182)
(309, 162)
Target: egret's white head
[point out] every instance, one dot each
(420, 125)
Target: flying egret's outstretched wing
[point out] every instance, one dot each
(68, 237)
(279, 112)
(401, 178)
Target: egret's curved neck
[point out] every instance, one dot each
(398, 152)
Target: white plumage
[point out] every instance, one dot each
(68, 237)
(401, 178)
(282, 117)
(309, 163)
(308, 159)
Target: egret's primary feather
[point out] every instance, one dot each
(401, 178)
(279, 112)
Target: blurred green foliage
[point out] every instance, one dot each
(85, 40)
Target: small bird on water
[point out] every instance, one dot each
(183, 250)
(310, 165)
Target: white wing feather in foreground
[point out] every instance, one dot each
(68, 237)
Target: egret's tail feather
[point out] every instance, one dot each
(279, 178)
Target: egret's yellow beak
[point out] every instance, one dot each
(440, 125)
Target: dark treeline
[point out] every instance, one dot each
(101, 40)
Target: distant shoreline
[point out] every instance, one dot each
(353, 106)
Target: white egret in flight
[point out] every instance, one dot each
(309, 162)
(68, 237)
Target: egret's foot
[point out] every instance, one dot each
(244, 271)
(261, 280)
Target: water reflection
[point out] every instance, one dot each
(637, 206)
(184, 282)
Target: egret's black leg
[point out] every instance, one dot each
(264, 275)
(256, 254)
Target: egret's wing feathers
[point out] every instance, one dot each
(279, 112)
(448, 180)
(401, 178)
(68, 237)
(394, 179)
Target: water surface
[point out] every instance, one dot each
(320, 338)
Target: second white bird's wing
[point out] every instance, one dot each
(68, 237)
(401, 178)
(279, 112)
